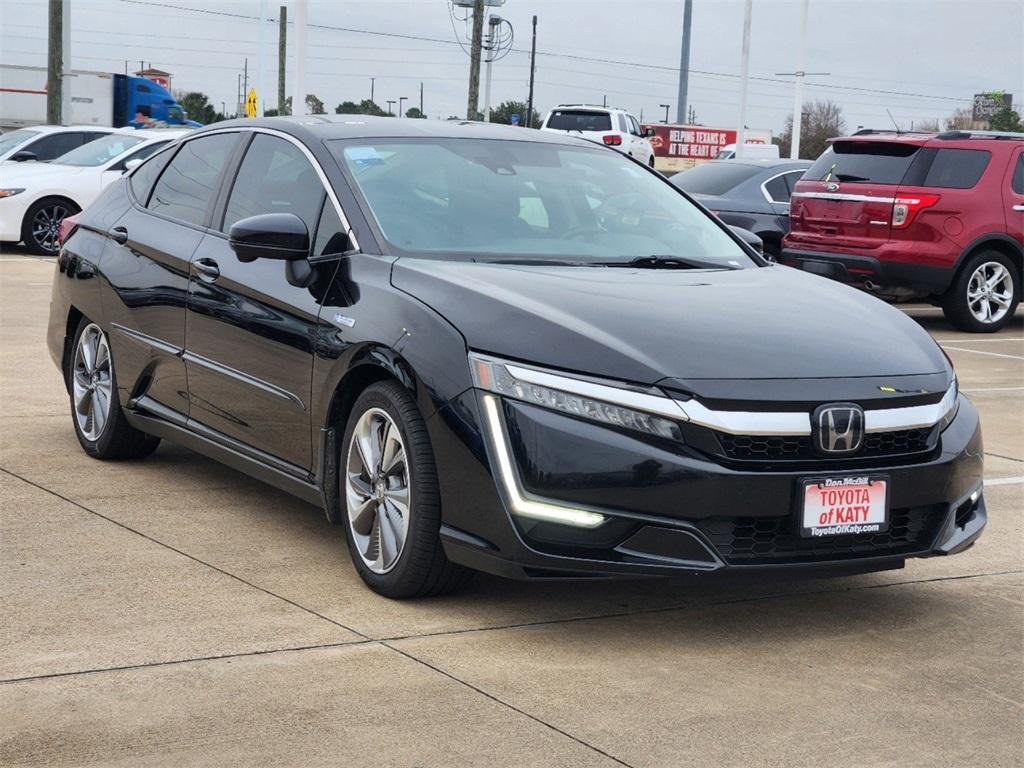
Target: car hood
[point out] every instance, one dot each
(645, 325)
(33, 171)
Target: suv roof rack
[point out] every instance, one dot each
(590, 106)
(1009, 135)
(890, 132)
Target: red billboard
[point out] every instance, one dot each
(690, 142)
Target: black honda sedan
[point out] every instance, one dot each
(750, 194)
(482, 347)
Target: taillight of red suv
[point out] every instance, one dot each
(905, 208)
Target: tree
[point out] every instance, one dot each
(821, 120)
(275, 112)
(1006, 119)
(198, 107)
(314, 105)
(347, 108)
(926, 126)
(368, 107)
(414, 112)
(504, 111)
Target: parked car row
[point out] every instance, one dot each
(35, 196)
(483, 348)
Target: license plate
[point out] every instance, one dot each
(844, 506)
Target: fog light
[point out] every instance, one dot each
(509, 480)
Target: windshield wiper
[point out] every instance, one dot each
(667, 262)
(538, 262)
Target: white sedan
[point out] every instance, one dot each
(36, 197)
(45, 142)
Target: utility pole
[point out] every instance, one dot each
(238, 94)
(55, 63)
(373, 83)
(261, 63)
(533, 69)
(798, 91)
(492, 28)
(741, 133)
(684, 63)
(282, 58)
(474, 59)
(604, 100)
(299, 96)
(422, 113)
(245, 81)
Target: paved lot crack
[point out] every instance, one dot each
(506, 704)
(184, 554)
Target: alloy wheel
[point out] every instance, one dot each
(377, 492)
(46, 225)
(92, 382)
(990, 292)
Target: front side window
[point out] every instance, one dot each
(185, 189)
(485, 199)
(100, 151)
(274, 177)
(634, 126)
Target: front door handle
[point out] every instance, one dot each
(119, 235)
(207, 269)
(1018, 207)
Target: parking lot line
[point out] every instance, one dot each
(977, 341)
(1019, 480)
(982, 352)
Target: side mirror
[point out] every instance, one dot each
(649, 133)
(23, 155)
(132, 164)
(281, 236)
(749, 238)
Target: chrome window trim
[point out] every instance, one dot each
(309, 156)
(844, 196)
(764, 186)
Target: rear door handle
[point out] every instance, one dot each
(207, 269)
(119, 235)
(1018, 207)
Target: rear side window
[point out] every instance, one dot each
(714, 178)
(1018, 176)
(957, 168)
(579, 120)
(142, 179)
(864, 162)
(185, 189)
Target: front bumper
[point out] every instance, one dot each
(887, 266)
(672, 511)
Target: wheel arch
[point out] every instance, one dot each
(999, 242)
(75, 316)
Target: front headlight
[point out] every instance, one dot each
(949, 404)
(11, 192)
(612, 405)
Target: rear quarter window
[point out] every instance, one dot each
(957, 168)
(864, 162)
(579, 120)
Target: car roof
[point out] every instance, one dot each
(780, 163)
(62, 128)
(372, 127)
(931, 138)
(158, 133)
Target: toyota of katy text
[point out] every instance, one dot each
(478, 347)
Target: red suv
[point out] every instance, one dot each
(915, 215)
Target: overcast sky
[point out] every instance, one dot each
(941, 51)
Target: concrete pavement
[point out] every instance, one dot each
(175, 612)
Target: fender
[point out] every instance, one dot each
(1000, 237)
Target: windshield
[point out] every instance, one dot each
(492, 199)
(714, 178)
(10, 140)
(99, 151)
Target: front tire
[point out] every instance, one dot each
(96, 414)
(984, 294)
(390, 495)
(40, 227)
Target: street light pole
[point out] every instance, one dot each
(492, 28)
(741, 133)
(666, 108)
(798, 91)
(400, 107)
(389, 103)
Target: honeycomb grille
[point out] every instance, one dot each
(762, 540)
(799, 448)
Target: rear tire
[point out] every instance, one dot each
(42, 221)
(96, 415)
(985, 293)
(391, 499)
(651, 161)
